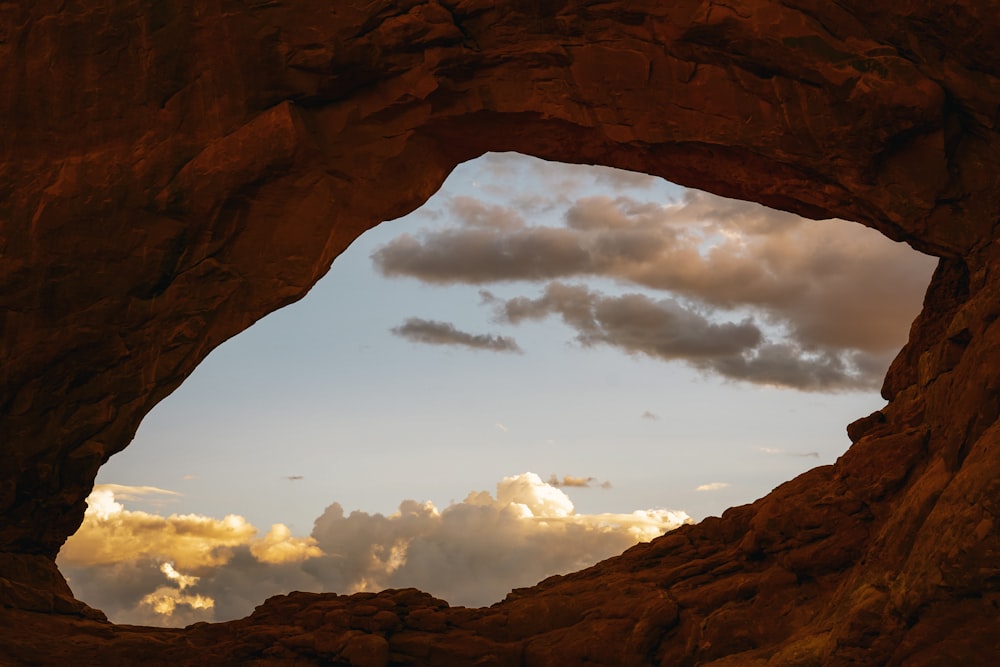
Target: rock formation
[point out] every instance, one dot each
(172, 171)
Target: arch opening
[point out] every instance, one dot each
(501, 276)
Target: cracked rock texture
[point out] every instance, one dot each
(171, 171)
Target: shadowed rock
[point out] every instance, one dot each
(170, 172)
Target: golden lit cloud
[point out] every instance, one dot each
(182, 580)
(471, 553)
(278, 546)
(112, 534)
(164, 600)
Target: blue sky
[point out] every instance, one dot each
(324, 402)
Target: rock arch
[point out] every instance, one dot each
(171, 172)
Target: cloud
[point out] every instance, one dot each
(577, 482)
(182, 581)
(278, 546)
(475, 551)
(663, 328)
(111, 534)
(165, 600)
(559, 180)
(443, 333)
(841, 295)
(671, 331)
(775, 450)
(119, 557)
(472, 553)
(569, 480)
(712, 486)
(124, 492)
(475, 213)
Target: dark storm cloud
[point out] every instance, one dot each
(432, 332)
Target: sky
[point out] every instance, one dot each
(539, 367)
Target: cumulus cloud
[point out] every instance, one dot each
(110, 534)
(432, 332)
(475, 551)
(165, 600)
(278, 546)
(472, 552)
(118, 558)
(712, 486)
(841, 295)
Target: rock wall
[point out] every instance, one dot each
(172, 171)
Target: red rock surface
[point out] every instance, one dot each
(170, 172)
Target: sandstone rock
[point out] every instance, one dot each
(171, 172)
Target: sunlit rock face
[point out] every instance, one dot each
(171, 172)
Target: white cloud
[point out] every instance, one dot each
(712, 486)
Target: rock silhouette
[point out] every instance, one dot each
(172, 171)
